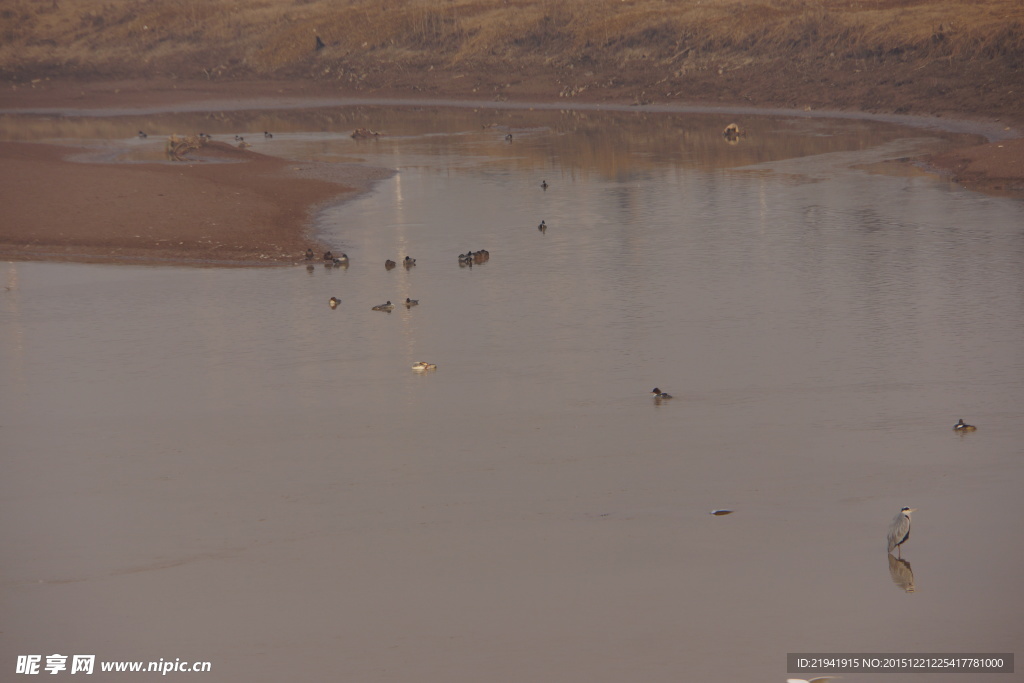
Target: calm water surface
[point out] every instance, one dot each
(213, 465)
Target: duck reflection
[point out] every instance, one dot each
(901, 574)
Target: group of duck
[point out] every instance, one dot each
(408, 262)
(341, 261)
(330, 260)
(388, 307)
(203, 136)
(471, 257)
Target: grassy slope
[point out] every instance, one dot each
(886, 55)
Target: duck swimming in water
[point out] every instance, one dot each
(389, 264)
(385, 307)
(659, 394)
(963, 427)
(422, 366)
(334, 302)
(409, 303)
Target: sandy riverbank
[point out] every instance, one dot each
(224, 206)
(254, 210)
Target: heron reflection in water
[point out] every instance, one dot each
(901, 574)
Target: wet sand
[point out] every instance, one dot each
(996, 167)
(224, 206)
(253, 212)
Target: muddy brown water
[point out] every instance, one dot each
(214, 465)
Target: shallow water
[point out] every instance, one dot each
(213, 465)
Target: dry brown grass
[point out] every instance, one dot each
(651, 45)
(264, 37)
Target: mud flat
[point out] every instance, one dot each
(225, 206)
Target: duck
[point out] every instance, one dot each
(385, 307)
(328, 256)
(239, 138)
(408, 262)
(422, 366)
(733, 131)
(961, 426)
(509, 137)
(409, 303)
(334, 302)
(310, 255)
(659, 394)
(543, 226)
(341, 262)
(142, 135)
(389, 264)
(544, 185)
(268, 134)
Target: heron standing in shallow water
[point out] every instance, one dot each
(899, 528)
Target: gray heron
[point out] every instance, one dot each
(899, 528)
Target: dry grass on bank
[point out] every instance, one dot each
(263, 38)
(894, 55)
